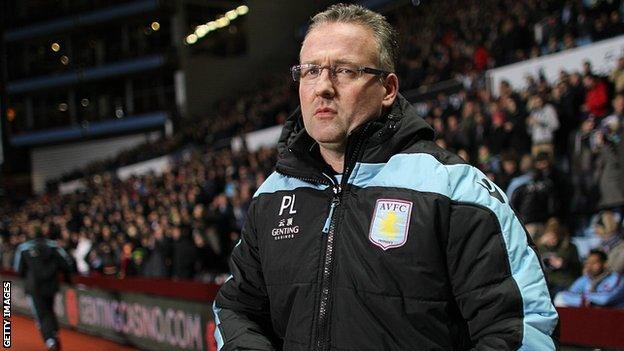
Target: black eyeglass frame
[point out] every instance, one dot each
(295, 70)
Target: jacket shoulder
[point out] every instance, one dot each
(280, 182)
(443, 156)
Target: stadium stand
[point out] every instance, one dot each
(555, 148)
(491, 133)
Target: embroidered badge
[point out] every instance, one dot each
(390, 224)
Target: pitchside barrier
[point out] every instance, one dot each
(159, 314)
(147, 321)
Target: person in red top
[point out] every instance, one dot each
(596, 96)
(481, 58)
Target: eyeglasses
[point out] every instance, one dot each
(340, 73)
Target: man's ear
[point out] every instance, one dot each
(391, 86)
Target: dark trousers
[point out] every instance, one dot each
(43, 309)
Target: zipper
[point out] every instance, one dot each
(334, 203)
(329, 230)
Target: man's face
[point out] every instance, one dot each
(509, 166)
(542, 165)
(332, 110)
(594, 266)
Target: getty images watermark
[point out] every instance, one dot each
(6, 314)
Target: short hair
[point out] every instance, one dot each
(385, 35)
(608, 220)
(601, 254)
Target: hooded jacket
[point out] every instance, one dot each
(40, 261)
(411, 249)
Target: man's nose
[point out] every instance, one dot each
(324, 85)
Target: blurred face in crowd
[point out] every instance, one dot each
(575, 79)
(542, 165)
(618, 104)
(550, 238)
(606, 228)
(332, 110)
(509, 166)
(452, 123)
(526, 163)
(594, 266)
(588, 82)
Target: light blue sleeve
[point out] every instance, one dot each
(614, 295)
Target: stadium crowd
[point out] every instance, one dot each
(180, 224)
(555, 148)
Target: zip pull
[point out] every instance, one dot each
(334, 203)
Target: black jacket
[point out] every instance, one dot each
(412, 250)
(40, 261)
(536, 200)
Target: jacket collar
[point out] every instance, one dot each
(375, 141)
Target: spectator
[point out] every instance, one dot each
(608, 229)
(568, 112)
(509, 170)
(611, 157)
(617, 76)
(596, 97)
(534, 199)
(560, 257)
(498, 139)
(454, 135)
(158, 262)
(585, 188)
(80, 253)
(597, 287)
(515, 125)
(137, 263)
(184, 254)
(542, 123)
(109, 258)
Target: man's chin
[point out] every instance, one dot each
(330, 143)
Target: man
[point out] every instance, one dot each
(596, 96)
(535, 197)
(608, 230)
(542, 124)
(617, 76)
(369, 236)
(598, 286)
(39, 261)
(610, 148)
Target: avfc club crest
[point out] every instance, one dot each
(390, 223)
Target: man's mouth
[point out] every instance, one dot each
(324, 112)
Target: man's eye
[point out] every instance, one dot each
(345, 71)
(310, 71)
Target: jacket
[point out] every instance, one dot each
(597, 99)
(534, 198)
(606, 291)
(611, 173)
(546, 123)
(561, 277)
(410, 250)
(40, 261)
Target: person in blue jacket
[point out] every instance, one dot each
(369, 236)
(599, 286)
